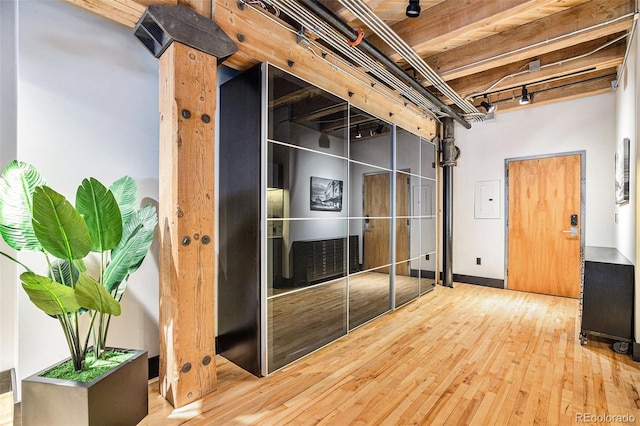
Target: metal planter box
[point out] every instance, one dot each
(118, 397)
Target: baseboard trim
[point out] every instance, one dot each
(486, 282)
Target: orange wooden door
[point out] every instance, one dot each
(543, 244)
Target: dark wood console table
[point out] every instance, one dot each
(607, 296)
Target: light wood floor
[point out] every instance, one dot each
(467, 355)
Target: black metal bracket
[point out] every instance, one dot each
(160, 25)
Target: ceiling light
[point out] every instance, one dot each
(488, 105)
(524, 99)
(358, 134)
(413, 10)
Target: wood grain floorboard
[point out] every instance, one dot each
(467, 355)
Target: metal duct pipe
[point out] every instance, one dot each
(450, 154)
(328, 16)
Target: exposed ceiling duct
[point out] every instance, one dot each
(316, 18)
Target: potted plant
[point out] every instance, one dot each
(90, 249)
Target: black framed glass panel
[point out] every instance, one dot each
(303, 321)
(313, 183)
(369, 139)
(407, 284)
(428, 232)
(407, 152)
(301, 114)
(368, 296)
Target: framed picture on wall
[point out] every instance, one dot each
(622, 171)
(326, 194)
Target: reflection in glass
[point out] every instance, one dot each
(407, 283)
(357, 191)
(368, 296)
(369, 139)
(275, 261)
(408, 195)
(428, 232)
(301, 114)
(428, 159)
(427, 272)
(308, 252)
(376, 195)
(403, 223)
(427, 198)
(298, 168)
(407, 152)
(374, 235)
(404, 228)
(414, 240)
(302, 321)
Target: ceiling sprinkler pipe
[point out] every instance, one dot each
(324, 13)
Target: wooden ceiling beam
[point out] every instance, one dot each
(608, 57)
(277, 45)
(536, 38)
(452, 19)
(560, 90)
(124, 12)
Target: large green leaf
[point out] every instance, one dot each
(52, 297)
(17, 183)
(125, 192)
(92, 295)
(64, 272)
(137, 237)
(58, 226)
(100, 211)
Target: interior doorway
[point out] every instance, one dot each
(545, 223)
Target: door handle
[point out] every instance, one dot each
(573, 231)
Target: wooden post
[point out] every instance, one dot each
(187, 266)
(190, 46)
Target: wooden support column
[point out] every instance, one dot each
(187, 266)
(190, 46)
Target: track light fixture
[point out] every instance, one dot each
(487, 105)
(524, 98)
(358, 134)
(413, 9)
(379, 129)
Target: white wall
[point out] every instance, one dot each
(87, 106)
(8, 146)
(580, 124)
(627, 126)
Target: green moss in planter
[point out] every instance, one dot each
(93, 367)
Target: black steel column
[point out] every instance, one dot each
(449, 155)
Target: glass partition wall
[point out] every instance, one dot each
(332, 225)
(370, 168)
(347, 216)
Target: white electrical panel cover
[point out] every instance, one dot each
(487, 200)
